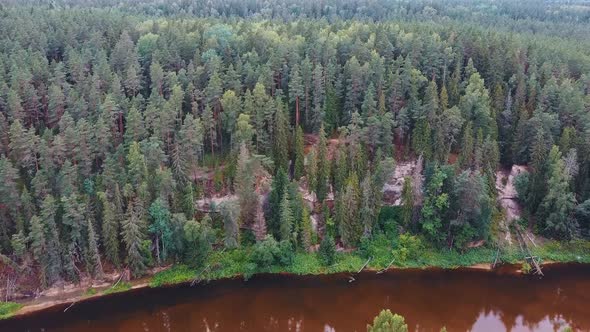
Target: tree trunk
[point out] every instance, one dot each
(296, 111)
(158, 249)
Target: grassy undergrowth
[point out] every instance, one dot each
(575, 251)
(120, 287)
(237, 262)
(7, 309)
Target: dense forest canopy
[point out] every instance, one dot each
(287, 118)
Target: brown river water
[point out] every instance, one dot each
(461, 300)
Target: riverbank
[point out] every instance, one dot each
(459, 299)
(235, 264)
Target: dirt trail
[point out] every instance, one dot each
(508, 197)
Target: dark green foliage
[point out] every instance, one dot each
(435, 207)
(199, 239)
(275, 199)
(327, 250)
(323, 165)
(269, 252)
(117, 134)
(160, 228)
(133, 235)
(299, 157)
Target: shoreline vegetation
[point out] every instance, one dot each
(226, 266)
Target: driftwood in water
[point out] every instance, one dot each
(351, 278)
(197, 279)
(387, 267)
(496, 259)
(529, 258)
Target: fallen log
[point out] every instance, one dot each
(351, 278)
(387, 267)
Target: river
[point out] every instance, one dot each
(461, 300)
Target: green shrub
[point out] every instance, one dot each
(327, 251)
(265, 252)
(408, 248)
(286, 253)
(268, 253)
(386, 321)
(199, 239)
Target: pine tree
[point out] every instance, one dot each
(436, 203)
(388, 124)
(281, 139)
(39, 249)
(231, 104)
(275, 199)
(305, 234)
(299, 158)
(133, 235)
(318, 115)
(421, 139)
(296, 92)
(369, 105)
(467, 147)
(190, 144)
(245, 187)
(557, 206)
(367, 211)
(244, 132)
(323, 165)
(340, 171)
(160, 228)
(407, 202)
(56, 105)
(52, 239)
(347, 213)
(539, 174)
(210, 128)
(136, 165)
(286, 219)
(110, 230)
(94, 262)
(475, 105)
(135, 129)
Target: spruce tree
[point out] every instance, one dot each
(299, 158)
(286, 218)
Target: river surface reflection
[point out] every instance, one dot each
(460, 300)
